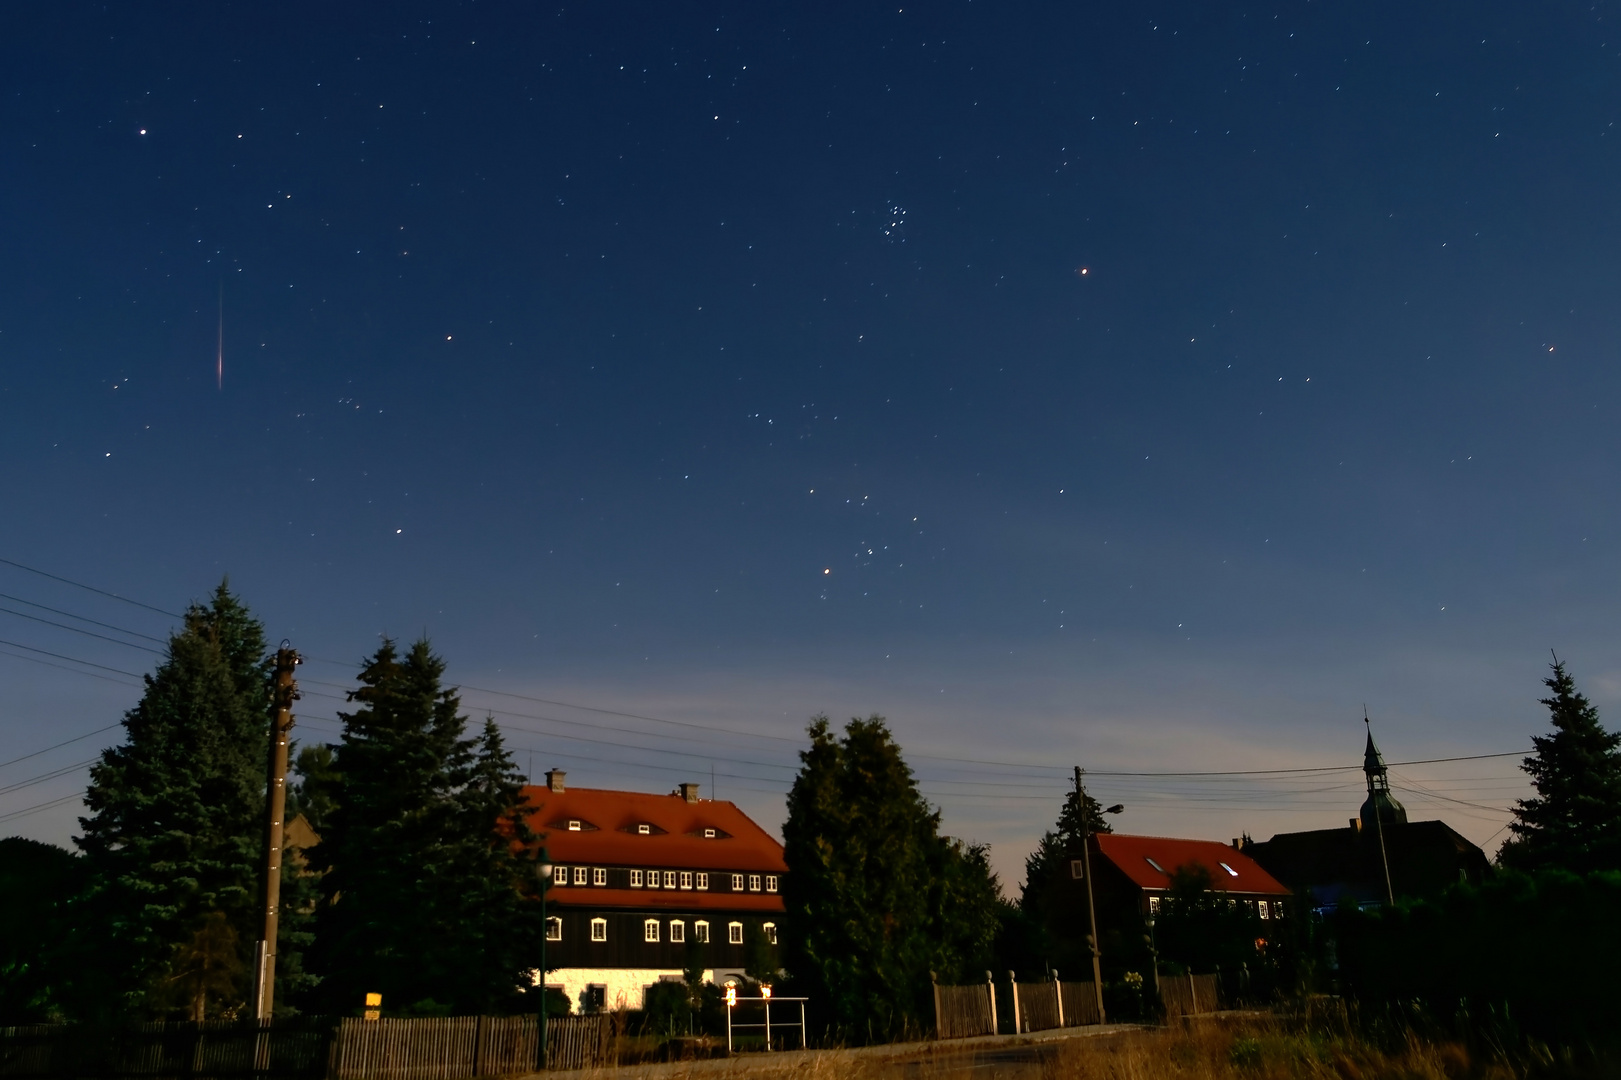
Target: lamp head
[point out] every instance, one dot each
(1117, 808)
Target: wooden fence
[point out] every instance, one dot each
(961, 1011)
(222, 1049)
(1190, 995)
(447, 1048)
(580, 1042)
(1037, 1006)
(1080, 1003)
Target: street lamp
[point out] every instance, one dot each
(543, 874)
(1086, 869)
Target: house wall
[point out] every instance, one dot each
(627, 947)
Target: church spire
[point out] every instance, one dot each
(1380, 800)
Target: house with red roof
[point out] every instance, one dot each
(644, 884)
(1136, 871)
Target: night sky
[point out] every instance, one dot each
(1140, 387)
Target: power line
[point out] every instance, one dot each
(90, 588)
(58, 746)
(70, 659)
(19, 785)
(76, 671)
(81, 618)
(77, 630)
(25, 811)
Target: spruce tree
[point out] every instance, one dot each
(423, 886)
(1574, 821)
(173, 835)
(876, 898)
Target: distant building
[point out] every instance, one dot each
(1132, 874)
(645, 884)
(1380, 854)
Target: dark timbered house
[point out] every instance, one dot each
(644, 886)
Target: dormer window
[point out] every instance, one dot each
(709, 834)
(1154, 864)
(644, 830)
(574, 825)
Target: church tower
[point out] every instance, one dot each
(1380, 801)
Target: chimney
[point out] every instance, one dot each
(554, 780)
(689, 792)
(1236, 846)
(1356, 824)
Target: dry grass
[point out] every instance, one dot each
(1207, 1049)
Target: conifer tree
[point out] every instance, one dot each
(175, 813)
(876, 898)
(1574, 821)
(423, 890)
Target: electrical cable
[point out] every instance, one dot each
(70, 659)
(25, 811)
(77, 630)
(81, 618)
(90, 588)
(58, 746)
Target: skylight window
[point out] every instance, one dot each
(1230, 871)
(644, 830)
(1154, 864)
(574, 825)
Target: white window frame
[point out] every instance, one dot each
(580, 874)
(737, 882)
(754, 883)
(554, 928)
(771, 883)
(574, 825)
(1263, 909)
(599, 929)
(599, 875)
(709, 834)
(678, 931)
(644, 830)
(701, 880)
(700, 931)
(669, 879)
(650, 930)
(1153, 905)
(652, 879)
(686, 879)
(734, 933)
(559, 875)
(635, 879)
(770, 929)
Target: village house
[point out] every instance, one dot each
(1132, 874)
(644, 886)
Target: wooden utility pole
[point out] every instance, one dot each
(264, 954)
(1091, 902)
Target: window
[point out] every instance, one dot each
(595, 998)
(754, 883)
(1230, 871)
(560, 875)
(770, 929)
(678, 930)
(554, 928)
(580, 874)
(635, 879)
(1153, 905)
(734, 933)
(1154, 864)
(599, 876)
(644, 830)
(1077, 869)
(771, 883)
(599, 929)
(686, 879)
(574, 825)
(737, 882)
(650, 930)
(709, 834)
(652, 879)
(703, 881)
(700, 932)
(669, 879)
(1261, 909)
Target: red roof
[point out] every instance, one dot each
(1149, 861)
(662, 899)
(609, 835)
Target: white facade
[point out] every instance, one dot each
(623, 988)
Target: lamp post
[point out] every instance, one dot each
(543, 874)
(1086, 870)
(1153, 952)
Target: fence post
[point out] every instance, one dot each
(1013, 985)
(1193, 996)
(934, 981)
(1058, 996)
(990, 990)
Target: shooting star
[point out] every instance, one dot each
(219, 361)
